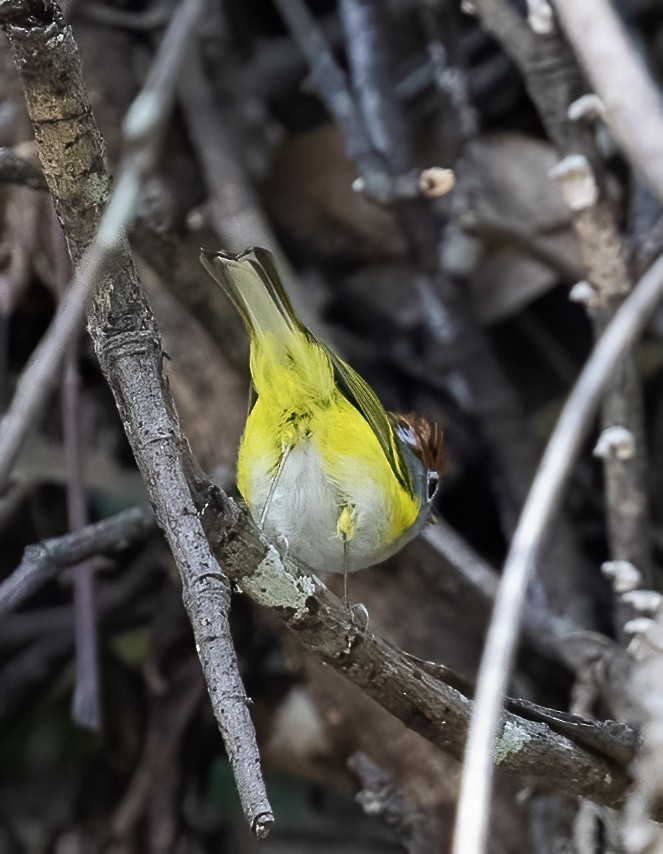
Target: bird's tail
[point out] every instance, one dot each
(252, 283)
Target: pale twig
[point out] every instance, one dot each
(143, 122)
(641, 834)
(236, 213)
(633, 107)
(543, 500)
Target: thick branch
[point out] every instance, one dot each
(424, 697)
(124, 331)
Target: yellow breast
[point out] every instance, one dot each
(335, 464)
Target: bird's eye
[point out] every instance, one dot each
(432, 484)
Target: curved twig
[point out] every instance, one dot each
(526, 547)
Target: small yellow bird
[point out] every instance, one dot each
(321, 464)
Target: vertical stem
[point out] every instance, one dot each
(86, 706)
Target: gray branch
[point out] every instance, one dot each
(15, 169)
(47, 559)
(429, 699)
(123, 328)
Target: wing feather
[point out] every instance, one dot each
(362, 396)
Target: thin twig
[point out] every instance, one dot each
(528, 541)
(331, 82)
(86, 702)
(45, 560)
(15, 169)
(143, 122)
(236, 213)
(125, 601)
(544, 631)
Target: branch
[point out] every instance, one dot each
(15, 169)
(526, 548)
(542, 630)
(124, 332)
(236, 214)
(86, 710)
(331, 83)
(427, 698)
(44, 561)
(555, 84)
(71, 151)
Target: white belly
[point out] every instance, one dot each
(305, 506)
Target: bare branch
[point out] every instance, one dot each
(125, 336)
(45, 560)
(15, 169)
(544, 631)
(76, 175)
(527, 545)
(86, 702)
(332, 84)
(428, 698)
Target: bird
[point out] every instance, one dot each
(323, 468)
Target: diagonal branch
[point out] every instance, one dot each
(555, 83)
(427, 698)
(45, 560)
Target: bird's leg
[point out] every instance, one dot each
(274, 484)
(346, 528)
(346, 547)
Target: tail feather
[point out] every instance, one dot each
(253, 285)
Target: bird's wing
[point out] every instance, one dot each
(253, 396)
(362, 396)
